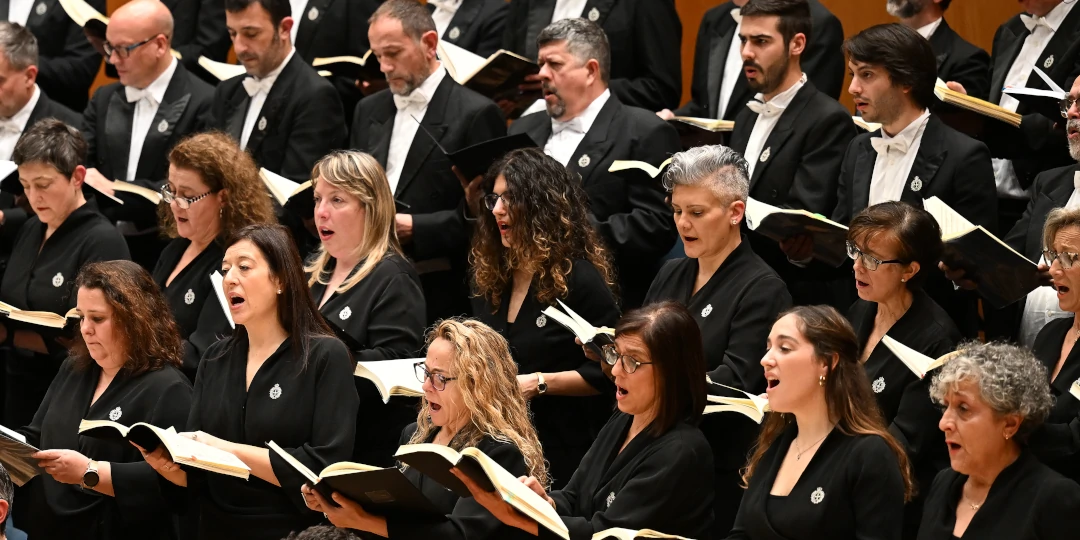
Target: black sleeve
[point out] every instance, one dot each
(32, 432)
(657, 79)
(976, 190)
(842, 213)
(815, 184)
(699, 85)
(491, 31)
(89, 128)
(396, 324)
(211, 327)
(877, 491)
(974, 74)
(206, 34)
(1059, 510)
(754, 317)
(824, 63)
(76, 68)
(318, 127)
(1017, 236)
(593, 300)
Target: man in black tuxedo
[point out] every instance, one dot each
(474, 25)
(131, 125)
(586, 128)
(431, 222)
(718, 88)
(645, 38)
(199, 30)
(67, 62)
(957, 60)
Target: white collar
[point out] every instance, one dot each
(783, 99)
(588, 116)
(23, 116)
(431, 84)
(273, 75)
(160, 85)
(908, 133)
(449, 6)
(928, 30)
(1058, 14)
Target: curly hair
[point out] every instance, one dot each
(223, 166)
(489, 391)
(551, 230)
(1009, 378)
(150, 337)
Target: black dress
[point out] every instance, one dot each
(380, 318)
(310, 412)
(48, 509)
(464, 517)
(661, 483)
(566, 425)
(1028, 501)
(735, 310)
(192, 300)
(904, 398)
(43, 281)
(1057, 441)
(851, 489)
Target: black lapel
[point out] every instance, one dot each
(1003, 62)
(422, 144)
(942, 42)
(466, 14)
(41, 110)
(932, 153)
(541, 131)
(597, 11)
(623, 458)
(379, 132)
(1069, 372)
(276, 100)
(540, 14)
(175, 102)
(737, 99)
(236, 111)
(785, 126)
(1052, 59)
(718, 50)
(39, 12)
(118, 120)
(590, 152)
(865, 158)
(313, 15)
(1062, 190)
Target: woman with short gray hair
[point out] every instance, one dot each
(994, 397)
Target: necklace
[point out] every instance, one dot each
(799, 451)
(974, 507)
(1076, 334)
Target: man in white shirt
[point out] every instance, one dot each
(130, 126)
(473, 25)
(958, 61)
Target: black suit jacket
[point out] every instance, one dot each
(199, 30)
(304, 120)
(1040, 143)
(960, 61)
(627, 209)
(645, 38)
(336, 28)
(477, 26)
(823, 61)
(67, 63)
(107, 129)
(1057, 441)
(1050, 190)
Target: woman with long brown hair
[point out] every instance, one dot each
(536, 246)
(825, 465)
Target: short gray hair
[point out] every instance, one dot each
(584, 39)
(1009, 378)
(716, 167)
(51, 142)
(19, 45)
(414, 17)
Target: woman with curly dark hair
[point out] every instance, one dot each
(124, 368)
(213, 190)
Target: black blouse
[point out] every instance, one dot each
(566, 425)
(192, 300)
(1027, 501)
(49, 509)
(851, 489)
(310, 413)
(1057, 442)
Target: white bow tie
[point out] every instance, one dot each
(450, 6)
(765, 110)
(1032, 21)
(135, 94)
(415, 99)
(254, 86)
(883, 145)
(737, 15)
(10, 127)
(575, 125)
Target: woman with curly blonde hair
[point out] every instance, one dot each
(471, 398)
(213, 190)
(536, 245)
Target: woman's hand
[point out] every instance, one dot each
(348, 515)
(208, 439)
(65, 466)
(160, 461)
(499, 508)
(528, 383)
(591, 355)
(532, 483)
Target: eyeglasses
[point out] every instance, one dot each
(491, 199)
(1066, 104)
(1066, 259)
(438, 380)
(869, 262)
(125, 51)
(629, 363)
(183, 202)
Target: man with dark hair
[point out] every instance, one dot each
(586, 128)
(646, 37)
(199, 30)
(131, 125)
(474, 25)
(957, 60)
(719, 88)
(403, 127)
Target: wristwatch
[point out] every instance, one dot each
(541, 385)
(90, 478)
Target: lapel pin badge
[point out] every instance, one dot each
(262, 124)
(594, 14)
(41, 8)
(345, 313)
(455, 33)
(916, 184)
(541, 321)
(584, 161)
(765, 155)
(1049, 61)
(313, 14)
(163, 126)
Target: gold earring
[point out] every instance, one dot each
(903, 280)
(734, 222)
(821, 380)
(1006, 436)
(279, 291)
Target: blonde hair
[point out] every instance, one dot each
(489, 392)
(361, 176)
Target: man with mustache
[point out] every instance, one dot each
(586, 128)
(957, 60)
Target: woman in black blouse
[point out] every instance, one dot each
(281, 377)
(50, 249)
(124, 367)
(213, 190)
(892, 243)
(825, 466)
(994, 396)
(471, 398)
(650, 467)
(534, 247)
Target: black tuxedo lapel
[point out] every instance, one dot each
(118, 132)
(590, 152)
(37, 17)
(932, 154)
(309, 26)
(602, 10)
(784, 128)
(717, 59)
(422, 143)
(738, 98)
(1052, 60)
(463, 18)
(236, 113)
(379, 133)
(863, 175)
(1002, 63)
(1061, 192)
(279, 96)
(540, 14)
(541, 132)
(942, 42)
(174, 103)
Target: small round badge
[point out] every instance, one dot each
(916, 184)
(594, 15)
(345, 313)
(541, 321)
(262, 124)
(189, 297)
(455, 33)
(610, 499)
(765, 155)
(1049, 61)
(705, 312)
(584, 161)
(817, 496)
(275, 392)
(41, 8)
(313, 14)
(163, 126)
(58, 280)
(115, 414)
(879, 385)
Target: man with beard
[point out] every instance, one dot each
(792, 135)
(404, 127)
(957, 60)
(586, 128)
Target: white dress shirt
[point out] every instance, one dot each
(566, 136)
(298, 7)
(257, 100)
(568, 9)
(414, 105)
(733, 66)
(19, 10)
(146, 107)
(1042, 304)
(443, 14)
(11, 128)
(894, 162)
(928, 30)
(769, 113)
(1008, 185)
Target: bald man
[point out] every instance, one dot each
(131, 125)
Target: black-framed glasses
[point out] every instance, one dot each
(1065, 104)
(491, 199)
(629, 363)
(1067, 259)
(183, 202)
(438, 380)
(125, 51)
(869, 262)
